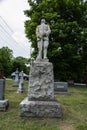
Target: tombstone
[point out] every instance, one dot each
(16, 80)
(61, 88)
(2, 87)
(40, 101)
(3, 102)
(21, 83)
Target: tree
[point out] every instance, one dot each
(68, 22)
(20, 63)
(6, 60)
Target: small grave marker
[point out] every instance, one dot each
(61, 88)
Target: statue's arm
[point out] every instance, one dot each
(37, 31)
(48, 30)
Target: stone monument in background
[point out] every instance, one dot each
(21, 83)
(16, 80)
(3, 102)
(61, 88)
(40, 101)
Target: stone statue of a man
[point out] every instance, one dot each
(42, 33)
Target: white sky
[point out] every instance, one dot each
(12, 12)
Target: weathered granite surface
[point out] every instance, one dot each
(40, 109)
(40, 101)
(41, 83)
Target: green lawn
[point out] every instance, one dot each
(74, 111)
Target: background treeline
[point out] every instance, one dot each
(68, 40)
(9, 64)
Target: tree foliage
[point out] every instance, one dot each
(9, 64)
(20, 63)
(6, 60)
(68, 43)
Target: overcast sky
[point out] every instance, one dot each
(11, 12)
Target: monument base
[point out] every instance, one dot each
(40, 109)
(4, 104)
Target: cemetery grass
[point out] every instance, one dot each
(74, 111)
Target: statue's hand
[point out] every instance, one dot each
(46, 34)
(39, 36)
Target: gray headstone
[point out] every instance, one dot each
(61, 88)
(3, 102)
(2, 87)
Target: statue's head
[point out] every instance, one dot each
(43, 20)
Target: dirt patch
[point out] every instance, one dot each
(66, 127)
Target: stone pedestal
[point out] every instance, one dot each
(40, 101)
(40, 109)
(41, 81)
